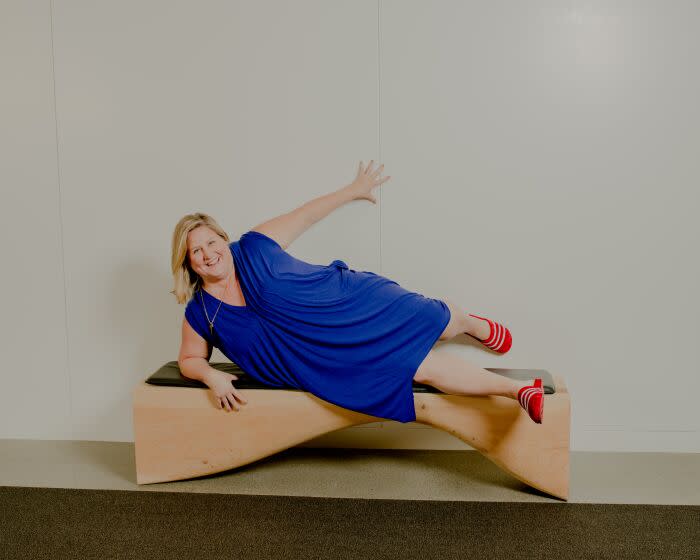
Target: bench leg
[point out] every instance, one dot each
(497, 427)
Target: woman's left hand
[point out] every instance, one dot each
(367, 179)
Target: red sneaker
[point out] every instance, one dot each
(499, 338)
(531, 398)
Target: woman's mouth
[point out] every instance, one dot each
(214, 262)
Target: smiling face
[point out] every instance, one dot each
(209, 255)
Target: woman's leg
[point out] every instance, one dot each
(455, 376)
(461, 322)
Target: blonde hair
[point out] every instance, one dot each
(185, 280)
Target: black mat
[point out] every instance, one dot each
(169, 374)
(37, 523)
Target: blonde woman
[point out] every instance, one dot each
(353, 338)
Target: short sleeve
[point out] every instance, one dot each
(257, 243)
(196, 321)
(260, 256)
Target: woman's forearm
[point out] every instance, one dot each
(320, 207)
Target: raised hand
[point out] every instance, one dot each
(367, 179)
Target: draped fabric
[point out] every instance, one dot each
(352, 338)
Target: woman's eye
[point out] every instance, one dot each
(212, 241)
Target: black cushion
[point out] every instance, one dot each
(170, 375)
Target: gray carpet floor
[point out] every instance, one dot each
(61, 523)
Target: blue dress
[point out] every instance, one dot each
(352, 338)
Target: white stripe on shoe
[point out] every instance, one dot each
(498, 334)
(492, 331)
(526, 395)
(501, 335)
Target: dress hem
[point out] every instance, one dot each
(414, 367)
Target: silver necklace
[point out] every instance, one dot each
(211, 322)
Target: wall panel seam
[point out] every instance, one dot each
(379, 125)
(60, 222)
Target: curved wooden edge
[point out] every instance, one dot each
(180, 433)
(497, 427)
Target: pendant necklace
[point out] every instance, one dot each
(211, 322)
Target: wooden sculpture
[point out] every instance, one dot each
(180, 433)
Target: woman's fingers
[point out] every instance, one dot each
(375, 173)
(224, 403)
(229, 400)
(372, 174)
(234, 404)
(368, 170)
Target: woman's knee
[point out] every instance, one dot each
(427, 370)
(456, 325)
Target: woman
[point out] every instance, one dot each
(352, 338)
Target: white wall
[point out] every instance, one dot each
(544, 163)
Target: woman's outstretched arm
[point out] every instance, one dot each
(286, 228)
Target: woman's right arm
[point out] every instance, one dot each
(194, 363)
(194, 355)
(196, 368)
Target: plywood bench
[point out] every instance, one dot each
(180, 432)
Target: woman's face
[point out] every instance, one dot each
(209, 254)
